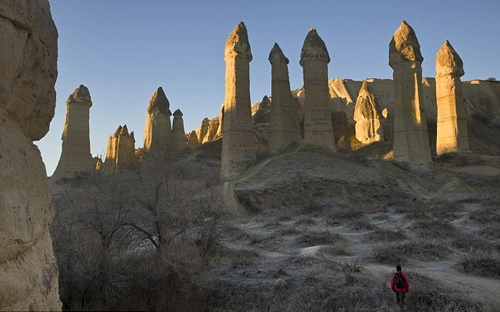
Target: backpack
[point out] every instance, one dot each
(399, 281)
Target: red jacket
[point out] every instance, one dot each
(405, 279)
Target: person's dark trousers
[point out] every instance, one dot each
(400, 299)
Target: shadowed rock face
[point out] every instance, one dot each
(238, 143)
(283, 120)
(157, 129)
(367, 117)
(75, 154)
(452, 135)
(28, 49)
(411, 141)
(314, 59)
(177, 141)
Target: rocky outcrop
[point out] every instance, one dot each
(158, 128)
(201, 132)
(177, 142)
(452, 135)
(367, 117)
(75, 154)
(411, 141)
(238, 143)
(192, 139)
(283, 116)
(120, 153)
(314, 59)
(388, 125)
(28, 71)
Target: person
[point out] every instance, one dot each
(400, 290)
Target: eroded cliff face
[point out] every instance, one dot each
(28, 71)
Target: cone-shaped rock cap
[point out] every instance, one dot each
(404, 46)
(81, 96)
(124, 131)
(118, 131)
(177, 113)
(237, 44)
(314, 48)
(159, 103)
(276, 55)
(448, 62)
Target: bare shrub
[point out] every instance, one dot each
(471, 243)
(339, 214)
(488, 215)
(480, 264)
(400, 252)
(429, 295)
(385, 236)
(362, 224)
(434, 229)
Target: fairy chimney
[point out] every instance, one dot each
(75, 154)
(238, 143)
(314, 59)
(367, 117)
(411, 141)
(157, 129)
(452, 135)
(283, 120)
(28, 72)
(177, 141)
(120, 153)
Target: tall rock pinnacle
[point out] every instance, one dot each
(177, 142)
(238, 143)
(452, 134)
(75, 154)
(314, 59)
(157, 129)
(411, 141)
(283, 117)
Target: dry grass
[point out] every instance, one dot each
(483, 265)
(422, 250)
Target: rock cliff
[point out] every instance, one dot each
(28, 71)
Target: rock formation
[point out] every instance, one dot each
(201, 132)
(452, 135)
(28, 71)
(283, 120)
(367, 117)
(214, 131)
(120, 153)
(177, 141)
(75, 154)
(314, 59)
(411, 141)
(388, 125)
(192, 139)
(157, 129)
(238, 143)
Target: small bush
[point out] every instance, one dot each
(385, 236)
(482, 265)
(400, 252)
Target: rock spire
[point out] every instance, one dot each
(120, 153)
(177, 142)
(157, 129)
(284, 119)
(238, 143)
(314, 59)
(75, 154)
(411, 141)
(452, 135)
(28, 66)
(367, 117)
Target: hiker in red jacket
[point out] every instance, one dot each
(400, 286)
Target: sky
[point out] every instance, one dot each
(123, 50)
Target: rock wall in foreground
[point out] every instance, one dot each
(28, 71)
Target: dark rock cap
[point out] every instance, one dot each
(81, 96)
(404, 46)
(159, 103)
(314, 48)
(178, 113)
(276, 55)
(237, 44)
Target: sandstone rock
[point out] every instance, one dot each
(411, 141)
(314, 60)
(157, 129)
(75, 154)
(238, 143)
(367, 117)
(120, 153)
(452, 135)
(28, 49)
(177, 142)
(214, 130)
(192, 139)
(202, 131)
(283, 115)
(388, 125)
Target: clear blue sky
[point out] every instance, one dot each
(123, 50)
